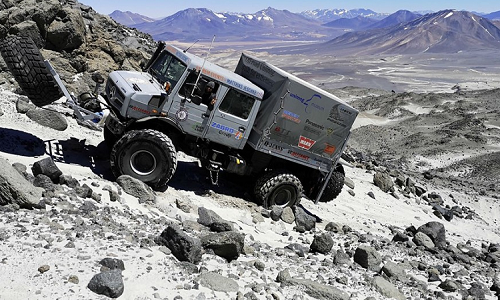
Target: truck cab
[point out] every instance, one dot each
(171, 89)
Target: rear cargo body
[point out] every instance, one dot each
(296, 120)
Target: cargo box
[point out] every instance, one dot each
(296, 120)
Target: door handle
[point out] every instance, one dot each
(241, 129)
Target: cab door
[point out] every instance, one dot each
(232, 118)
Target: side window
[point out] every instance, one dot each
(194, 91)
(237, 104)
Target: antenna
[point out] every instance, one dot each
(190, 46)
(202, 66)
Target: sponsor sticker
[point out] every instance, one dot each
(223, 128)
(329, 149)
(291, 116)
(298, 155)
(181, 115)
(238, 135)
(281, 131)
(272, 146)
(198, 128)
(306, 143)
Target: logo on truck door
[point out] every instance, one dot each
(306, 143)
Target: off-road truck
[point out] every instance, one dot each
(284, 134)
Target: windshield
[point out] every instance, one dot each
(167, 68)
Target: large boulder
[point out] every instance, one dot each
(48, 118)
(183, 247)
(15, 189)
(436, 232)
(228, 245)
(67, 31)
(108, 283)
(368, 258)
(136, 188)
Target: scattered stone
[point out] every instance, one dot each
(276, 212)
(436, 232)
(383, 181)
(43, 269)
(218, 283)
(183, 247)
(322, 243)
(304, 220)
(15, 189)
(368, 258)
(112, 263)
(47, 167)
(422, 239)
(387, 289)
(48, 118)
(136, 188)
(333, 227)
(287, 216)
(108, 283)
(228, 245)
(212, 220)
(73, 279)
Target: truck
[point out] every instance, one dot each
(283, 134)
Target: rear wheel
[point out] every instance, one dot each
(278, 188)
(147, 155)
(27, 64)
(333, 188)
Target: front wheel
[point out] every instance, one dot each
(147, 155)
(278, 188)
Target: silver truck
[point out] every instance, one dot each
(284, 134)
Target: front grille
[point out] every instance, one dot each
(114, 94)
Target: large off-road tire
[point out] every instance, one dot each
(333, 188)
(278, 188)
(27, 65)
(147, 155)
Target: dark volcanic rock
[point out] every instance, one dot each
(322, 243)
(112, 263)
(228, 245)
(436, 232)
(303, 219)
(368, 258)
(14, 188)
(47, 167)
(108, 283)
(48, 118)
(183, 247)
(383, 181)
(212, 220)
(136, 188)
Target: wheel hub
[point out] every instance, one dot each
(283, 195)
(143, 162)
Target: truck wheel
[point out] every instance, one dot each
(147, 155)
(333, 188)
(27, 65)
(278, 188)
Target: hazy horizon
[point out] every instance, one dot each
(157, 8)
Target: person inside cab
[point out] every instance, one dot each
(208, 97)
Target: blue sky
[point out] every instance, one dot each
(162, 8)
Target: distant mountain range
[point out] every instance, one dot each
(360, 30)
(446, 31)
